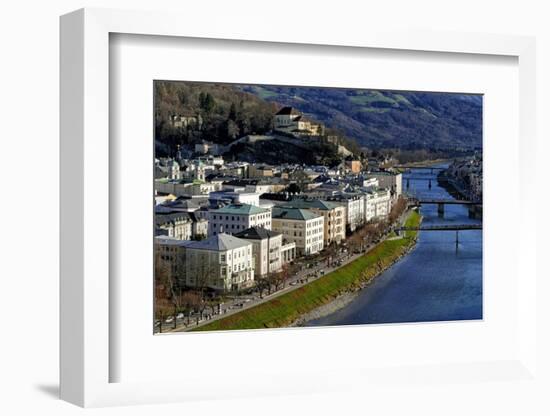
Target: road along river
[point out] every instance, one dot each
(437, 281)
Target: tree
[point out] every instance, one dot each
(232, 112)
(232, 129)
(207, 102)
(262, 284)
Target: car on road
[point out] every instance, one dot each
(169, 319)
(180, 315)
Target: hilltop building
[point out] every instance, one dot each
(290, 120)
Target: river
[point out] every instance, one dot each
(437, 281)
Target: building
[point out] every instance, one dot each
(389, 180)
(181, 226)
(235, 197)
(266, 249)
(302, 227)
(167, 168)
(221, 262)
(369, 183)
(288, 252)
(185, 188)
(186, 120)
(355, 208)
(234, 218)
(260, 171)
(353, 165)
(334, 217)
(208, 147)
(170, 259)
(290, 120)
(182, 204)
(377, 204)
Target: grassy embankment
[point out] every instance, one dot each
(285, 309)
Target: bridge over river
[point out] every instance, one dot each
(443, 227)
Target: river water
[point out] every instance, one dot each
(435, 282)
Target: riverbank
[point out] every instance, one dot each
(346, 298)
(332, 289)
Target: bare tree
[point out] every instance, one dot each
(262, 284)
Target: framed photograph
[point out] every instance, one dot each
(288, 210)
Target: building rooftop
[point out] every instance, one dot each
(287, 111)
(289, 213)
(243, 209)
(257, 233)
(219, 242)
(313, 203)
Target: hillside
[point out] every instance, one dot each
(388, 119)
(225, 112)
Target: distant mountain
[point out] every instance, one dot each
(387, 119)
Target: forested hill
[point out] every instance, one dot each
(226, 112)
(375, 119)
(388, 119)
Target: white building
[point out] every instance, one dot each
(300, 226)
(370, 183)
(389, 180)
(221, 262)
(377, 204)
(355, 208)
(234, 218)
(184, 188)
(334, 215)
(181, 226)
(236, 197)
(266, 249)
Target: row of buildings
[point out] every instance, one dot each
(227, 238)
(224, 225)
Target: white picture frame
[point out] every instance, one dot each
(85, 212)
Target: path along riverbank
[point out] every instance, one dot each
(334, 289)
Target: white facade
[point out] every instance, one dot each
(355, 209)
(221, 262)
(237, 217)
(266, 249)
(389, 180)
(184, 189)
(377, 204)
(306, 231)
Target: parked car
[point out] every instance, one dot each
(169, 319)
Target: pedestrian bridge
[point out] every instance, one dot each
(443, 227)
(426, 201)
